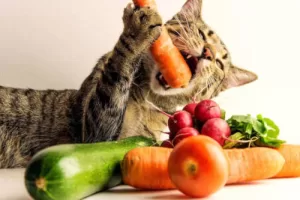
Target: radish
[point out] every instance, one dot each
(179, 120)
(167, 144)
(184, 133)
(197, 124)
(190, 108)
(207, 109)
(218, 129)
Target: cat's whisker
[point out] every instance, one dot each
(183, 40)
(188, 37)
(215, 77)
(185, 33)
(199, 92)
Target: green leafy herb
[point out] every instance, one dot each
(258, 131)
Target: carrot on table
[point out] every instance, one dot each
(146, 168)
(252, 164)
(291, 154)
(170, 61)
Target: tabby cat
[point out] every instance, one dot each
(118, 98)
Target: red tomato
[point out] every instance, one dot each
(198, 166)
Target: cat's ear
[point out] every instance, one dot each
(192, 9)
(192, 6)
(237, 77)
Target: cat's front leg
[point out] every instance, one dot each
(99, 106)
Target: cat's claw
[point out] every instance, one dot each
(128, 12)
(143, 24)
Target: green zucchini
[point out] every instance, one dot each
(75, 171)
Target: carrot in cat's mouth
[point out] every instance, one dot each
(192, 62)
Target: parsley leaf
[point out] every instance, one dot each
(259, 131)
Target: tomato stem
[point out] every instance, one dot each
(191, 167)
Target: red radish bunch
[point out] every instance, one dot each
(202, 118)
(181, 119)
(184, 133)
(216, 128)
(207, 109)
(190, 108)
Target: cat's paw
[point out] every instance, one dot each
(142, 24)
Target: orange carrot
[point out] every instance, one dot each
(252, 164)
(291, 154)
(170, 61)
(145, 3)
(146, 168)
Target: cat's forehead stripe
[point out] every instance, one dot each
(210, 33)
(225, 56)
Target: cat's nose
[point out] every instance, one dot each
(207, 53)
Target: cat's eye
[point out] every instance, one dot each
(202, 34)
(220, 64)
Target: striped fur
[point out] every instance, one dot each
(113, 101)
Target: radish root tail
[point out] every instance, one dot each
(242, 141)
(160, 110)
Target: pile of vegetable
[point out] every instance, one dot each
(207, 118)
(204, 151)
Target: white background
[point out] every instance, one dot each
(55, 44)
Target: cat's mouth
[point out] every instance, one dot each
(192, 62)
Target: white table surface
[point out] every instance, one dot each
(12, 188)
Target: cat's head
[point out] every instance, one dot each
(207, 56)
